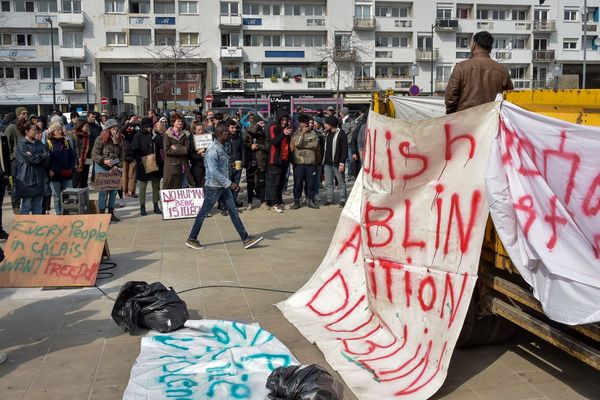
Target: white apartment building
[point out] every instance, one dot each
(302, 52)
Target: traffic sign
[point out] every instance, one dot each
(208, 98)
(104, 101)
(414, 90)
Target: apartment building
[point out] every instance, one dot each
(301, 52)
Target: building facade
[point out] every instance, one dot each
(305, 52)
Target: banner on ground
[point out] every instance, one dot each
(387, 304)
(543, 184)
(219, 360)
(181, 203)
(54, 250)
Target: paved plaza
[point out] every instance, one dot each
(63, 344)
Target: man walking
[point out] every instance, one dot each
(335, 153)
(305, 145)
(477, 80)
(219, 187)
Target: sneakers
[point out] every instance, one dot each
(249, 207)
(313, 204)
(3, 235)
(277, 209)
(3, 357)
(296, 205)
(265, 206)
(251, 241)
(342, 204)
(224, 212)
(195, 244)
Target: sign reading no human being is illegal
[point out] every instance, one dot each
(54, 250)
(181, 203)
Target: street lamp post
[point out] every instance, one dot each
(556, 71)
(86, 72)
(585, 17)
(48, 20)
(432, 59)
(413, 71)
(255, 72)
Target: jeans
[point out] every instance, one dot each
(211, 196)
(331, 172)
(349, 161)
(57, 188)
(277, 175)
(112, 197)
(304, 176)
(32, 205)
(255, 178)
(235, 176)
(155, 191)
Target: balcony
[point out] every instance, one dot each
(72, 53)
(365, 24)
(446, 25)
(341, 55)
(590, 28)
(522, 26)
(521, 84)
(230, 21)
(232, 53)
(485, 25)
(440, 85)
(501, 55)
(544, 25)
(427, 55)
(74, 86)
(232, 85)
(403, 23)
(541, 84)
(71, 20)
(542, 56)
(46, 87)
(366, 83)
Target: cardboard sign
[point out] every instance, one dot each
(202, 141)
(387, 304)
(54, 250)
(181, 203)
(108, 180)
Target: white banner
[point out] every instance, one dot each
(218, 360)
(543, 185)
(387, 304)
(181, 203)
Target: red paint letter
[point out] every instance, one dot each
(464, 236)
(449, 289)
(565, 155)
(370, 223)
(427, 282)
(406, 243)
(353, 242)
(526, 204)
(404, 149)
(588, 208)
(338, 278)
(450, 141)
(554, 219)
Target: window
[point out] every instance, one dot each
(292, 70)
(73, 39)
(540, 15)
(188, 38)
(188, 7)
(316, 72)
(391, 71)
(500, 44)
(251, 9)
(28, 73)
(463, 42)
(266, 9)
(519, 15)
(293, 40)
(425, 43)
(44, 37)
(6, 6)
(230, 39)
(483, 14)
(159, 89)
(192, 89)
(442, 72)
(540, 44)
(24, 39)
(444, 13)
(72, 6)
(229, 8)
(402, 12)
(140, 37)
(178, 91)
(272, 70)
(498, 15)
(164, 6)
(271, 40)
(570, 15)
(517, 72)
(570, 44)
(125, 84)
(139, 7)
(164, 37)
(519, 43)
(291, 9)
(6, 39)
(463, 13)
(47, 6)
(276, 9)
(47, 72)
(343, 40)
(362, 71)
(360, 11)
(314, 41)
(21, 6)
(316, 85)
(115, 39)
(114, 6)
(72, 72)
(7, 73)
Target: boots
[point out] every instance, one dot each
(312, 204)
(113, 217)
(101, 210)
(143, 212)
(296, 205)
(157, 209)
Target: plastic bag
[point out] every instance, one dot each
(303, 382)
(155, 307)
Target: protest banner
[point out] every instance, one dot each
(181, 203)
(108, 180)
(543, 185)
(219, 360)
(202, 141)
(54, 250)
(387, 303)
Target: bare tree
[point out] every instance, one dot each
(341, 54)
(7, 56)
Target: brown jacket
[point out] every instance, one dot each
(474, 82)
(176, 160)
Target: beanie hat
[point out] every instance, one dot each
(331, 121)
(56, 118)
(19, 110)
(111, 123)
(146, 122)
(344, 110)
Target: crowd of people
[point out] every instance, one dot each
(45, 156)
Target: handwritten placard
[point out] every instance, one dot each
(108, 180)
(202, 141)
(181, 203)
(54, 250)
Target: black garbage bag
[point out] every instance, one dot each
(140, 305)
(303, 382)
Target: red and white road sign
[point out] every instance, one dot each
(104, 101)
(209, 98)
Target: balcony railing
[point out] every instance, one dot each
(428, 55)
(446, 25)
(463, 55)
(232, 85)
(365, 83)
(367, 23)
(502, 55)
(344, 54)
(544, 25)
(522, 26)
(590, 27)
(403, 85)
(440, 85)
(487, 25)
(541, 84)
(521, 83)
(231, 53)
(66, 19)
(72, 53)
(230, 20)
(403, 23)
(74, 85)
(542, 55)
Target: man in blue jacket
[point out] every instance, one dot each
(219, 187)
